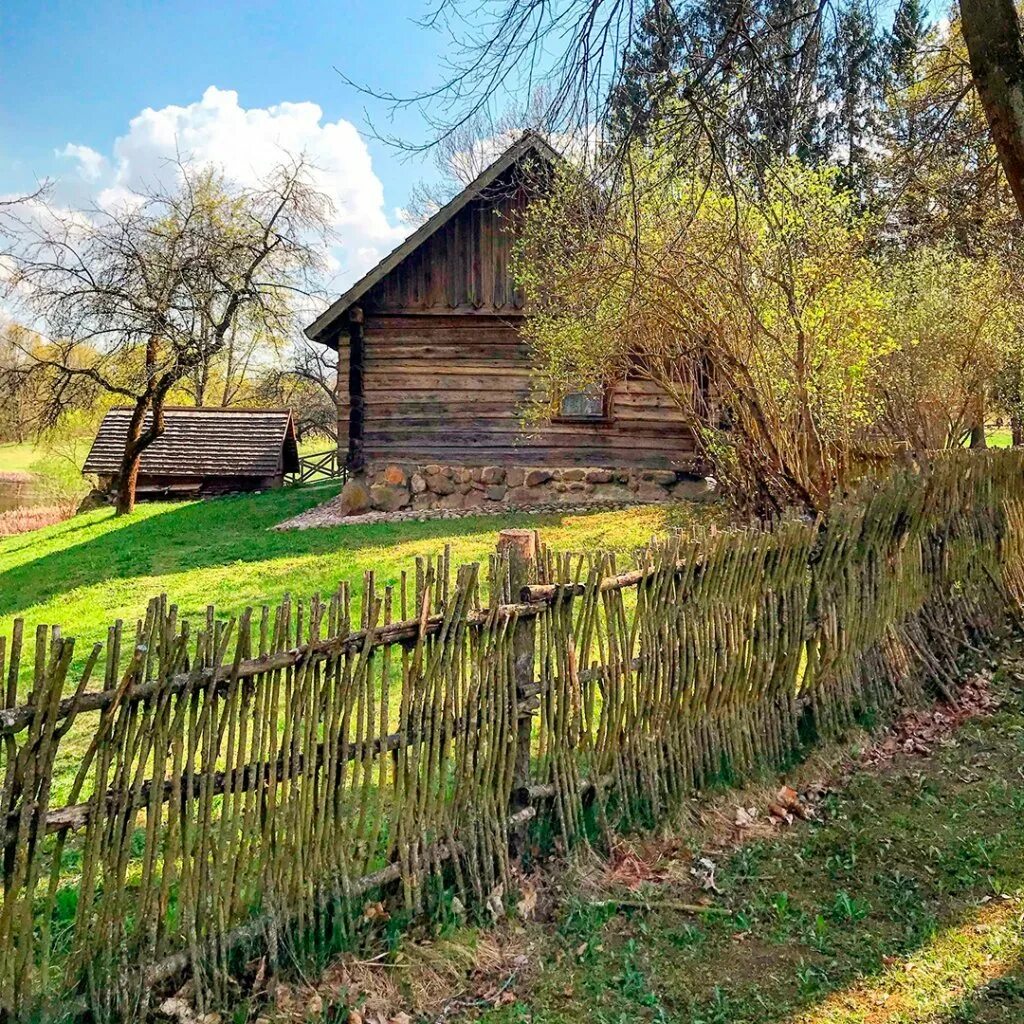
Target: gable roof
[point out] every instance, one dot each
(529, 144)
(202, 442)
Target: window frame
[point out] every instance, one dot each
(604, 417)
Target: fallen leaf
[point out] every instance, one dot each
(496, 903)
(176, 1008)
(375, 912)
(788, 797)
(745, 816)
(527, 905)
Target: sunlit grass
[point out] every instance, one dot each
(85, 573)
(17, 457)
(999, 437)
(936, 979)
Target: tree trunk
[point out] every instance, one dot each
(138, 441)
(1017, 430)
(128, 476)
(992, 32)
(978, 439)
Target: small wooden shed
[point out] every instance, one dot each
(201, 452)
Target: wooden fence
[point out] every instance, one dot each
(326, 464)
(200, 795)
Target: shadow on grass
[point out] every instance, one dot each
(197, 535)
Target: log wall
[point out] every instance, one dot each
(452, 389)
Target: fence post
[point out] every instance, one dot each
(520, 547)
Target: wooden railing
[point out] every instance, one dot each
(325, 464)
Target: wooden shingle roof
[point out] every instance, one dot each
(202, 443)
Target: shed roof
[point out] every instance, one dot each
(530, 144)
(203, 442)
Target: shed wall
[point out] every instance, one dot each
(451, 388)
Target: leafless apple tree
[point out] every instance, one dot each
(133, 298)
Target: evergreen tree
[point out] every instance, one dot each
(649, 69)
(906, 40)
(785, 93)
(855, 86)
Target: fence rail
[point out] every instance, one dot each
(326, 464)
(244, 784)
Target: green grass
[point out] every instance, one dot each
(17, 457)
(86, 572)
(903, 905)
(999, 437)
(57, 469)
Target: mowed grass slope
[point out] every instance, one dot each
(85, 573)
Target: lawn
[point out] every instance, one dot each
(17, 457)
(84, 573)
(56, 470)
(902, 904)
(999, 437)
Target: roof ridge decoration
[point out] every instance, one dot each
(529, 142)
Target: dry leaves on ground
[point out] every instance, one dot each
(919, 732)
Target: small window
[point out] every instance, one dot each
(589, 404)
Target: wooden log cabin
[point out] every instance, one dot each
(434, 374)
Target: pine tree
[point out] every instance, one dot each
(780, 109)
(649, 69)
(856, 85)
(909, 31)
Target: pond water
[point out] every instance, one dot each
(19, 494)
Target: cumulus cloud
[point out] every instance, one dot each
(247, 143)
(91, 164)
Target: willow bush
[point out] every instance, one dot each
(800, 344)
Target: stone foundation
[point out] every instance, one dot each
(395, 487)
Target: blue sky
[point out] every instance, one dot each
(100, 95)
(81, 73)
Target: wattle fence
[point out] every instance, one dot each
(202, 795)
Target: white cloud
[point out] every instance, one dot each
(247, 144)
(91, 164)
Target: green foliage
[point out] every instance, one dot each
(773, 299)
(954, 321)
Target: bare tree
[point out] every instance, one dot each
(307, 384)
(747, 83)
(17, 398)
(463, 154)
(134, 298)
